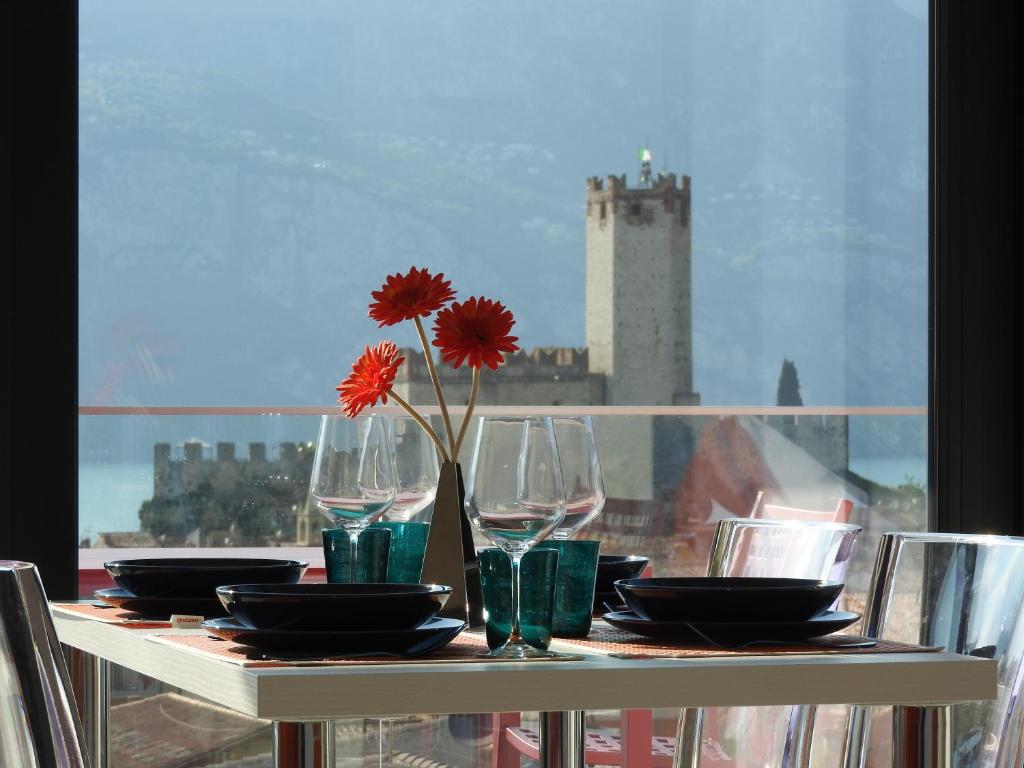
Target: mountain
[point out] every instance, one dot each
(249, 172)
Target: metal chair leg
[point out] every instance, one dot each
(797, 752)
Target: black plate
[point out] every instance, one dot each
(160, 607)
(733, 633)
(199, 576)
(727, 599)
(333, 607)
(435, 634)
(611, 568)
(607, 601)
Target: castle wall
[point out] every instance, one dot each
(826, 438)
(543, 376)
(626, 447)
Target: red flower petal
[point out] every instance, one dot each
(371, 378)
(403, 297)
(475, 330)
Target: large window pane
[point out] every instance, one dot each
(249, 172)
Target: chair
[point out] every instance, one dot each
(964, 593)
(763, 509)
(39, 723)
(824, 551)
(765, 548)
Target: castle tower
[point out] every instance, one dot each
(638, 313)
(161, 470)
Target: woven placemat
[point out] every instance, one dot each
(610, 641)
(466, 648)
(108, 614)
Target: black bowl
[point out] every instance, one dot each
(161, 607)
(198, 576)
(726, 599)
(611, 568)
(333, 607)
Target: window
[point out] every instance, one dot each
(109, 439)
(248, 176)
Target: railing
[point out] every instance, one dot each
(671, 472)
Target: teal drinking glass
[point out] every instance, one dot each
(371, 555)
(574, 587)
(405, 555)
(538, 575)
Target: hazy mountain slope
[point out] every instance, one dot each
(249, 173)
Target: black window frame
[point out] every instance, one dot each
(976, 279)
(976, 268)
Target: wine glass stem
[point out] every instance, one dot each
(353, 539)
(515, 637)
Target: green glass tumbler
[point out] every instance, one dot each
(574, 589)
(371, 555)
(405, 556)
(537, 574)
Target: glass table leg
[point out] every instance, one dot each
(304, 745)
(688, 743)
(921, 737)
(90, 680)
(563, 739)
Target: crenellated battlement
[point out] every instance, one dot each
(219, 466)
(617, 185)
(556, 363)
(617, 198)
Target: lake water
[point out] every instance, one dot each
(892, 471)
(109, 495)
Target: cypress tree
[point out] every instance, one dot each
(789, 385)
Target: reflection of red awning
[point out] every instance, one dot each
(726, 472)
(738, 456)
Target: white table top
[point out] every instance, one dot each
(596, 682)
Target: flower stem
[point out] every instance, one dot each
(473, 392)
(422, 422)
(437, 384)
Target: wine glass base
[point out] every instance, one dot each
(519, 651)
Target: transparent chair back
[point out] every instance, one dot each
(782, 548)
(964, 593)
(772, 736)
(39, 724)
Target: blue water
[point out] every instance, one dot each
(892, 471)
(109, 497)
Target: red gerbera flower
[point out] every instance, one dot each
(476, 329)
(403, 297)
(371, 378)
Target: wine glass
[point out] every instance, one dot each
(354, 480)
(515, 497)
(581, 471)
(416, 464)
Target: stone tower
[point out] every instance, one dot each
(638, 290)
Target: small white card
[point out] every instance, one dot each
(185, 621)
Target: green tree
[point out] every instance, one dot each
(789, 385)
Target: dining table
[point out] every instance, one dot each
(303, 698)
